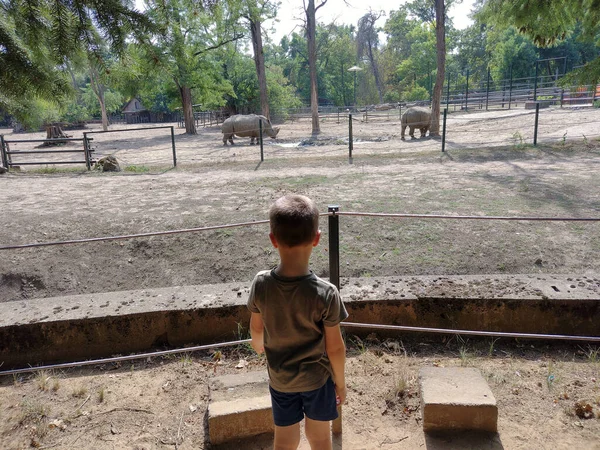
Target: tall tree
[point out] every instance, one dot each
(256, 12)
(311, 31)
(190, 33)
(367, 41)
(440, 34)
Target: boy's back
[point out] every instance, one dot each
(294, 312)
(296, 321)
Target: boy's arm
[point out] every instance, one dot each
(336, 351)
(257, 332)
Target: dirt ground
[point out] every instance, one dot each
(548, 398)
(489, 169)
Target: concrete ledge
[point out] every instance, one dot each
(456, 399)
(86, 326)
(239, 407)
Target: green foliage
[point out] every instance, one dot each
(48, 33)
(113, 101)
(416, 93)
(551, 23)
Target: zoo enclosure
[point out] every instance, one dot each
(7, 153)
(124, 130)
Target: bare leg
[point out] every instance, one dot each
(287, 438)
(318, 434)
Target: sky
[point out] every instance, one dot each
(348, 12)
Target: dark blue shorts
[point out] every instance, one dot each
(291, 407)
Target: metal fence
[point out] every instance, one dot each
(23, 155)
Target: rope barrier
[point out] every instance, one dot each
(259, 222)
(130, 236)
(441, 216)
(343, 324)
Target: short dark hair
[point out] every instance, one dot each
(294, 220)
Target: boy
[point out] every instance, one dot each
(296, 321)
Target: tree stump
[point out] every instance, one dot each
(55, 131)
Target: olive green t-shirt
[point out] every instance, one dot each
(295, 312)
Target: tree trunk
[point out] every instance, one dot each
(378, 83)
(98, 89)
(440, 34)
(259, 61)
(311, 30)
(188, 109)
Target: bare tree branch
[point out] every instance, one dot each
(220, 44)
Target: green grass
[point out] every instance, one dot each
(136, 169)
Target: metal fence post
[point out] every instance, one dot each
(562, 97)
(350, 139)
(260, 139)
(535, 83)
(173, 145)
(448, 92)
(334, 245)
(535, 130)
(86, 152)
(444, 130)
(487, 90)
(594, 94)
(510, 87)
(3, 150)
(467, 93)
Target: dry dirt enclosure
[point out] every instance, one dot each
(147, 405)
(548, 398)
(215, 185)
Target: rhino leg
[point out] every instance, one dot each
(411, 131)
(423, 131)
(252, 140)
(402, 132)
(227, 137)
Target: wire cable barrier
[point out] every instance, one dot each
(259, 222)
(344, 324)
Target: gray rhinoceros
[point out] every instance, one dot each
(416, 117)
(246, 126)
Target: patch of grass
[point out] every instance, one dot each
(47, 170)
(592, 353)
(136, 169)
(185, 359)
(399, 388)
(101, 395)
(79, 392)
(359, 344)
(33, 412)
(464, 353)
(42, 380)
(491, 347)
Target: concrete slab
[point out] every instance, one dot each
(456, 398)
(239, 407)
(69, 328)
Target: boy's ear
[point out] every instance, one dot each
(273, 240)
(317, 238)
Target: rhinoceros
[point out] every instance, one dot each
(246, 126)
(416, 117)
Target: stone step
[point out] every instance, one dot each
(239, 406)
(456, 398)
